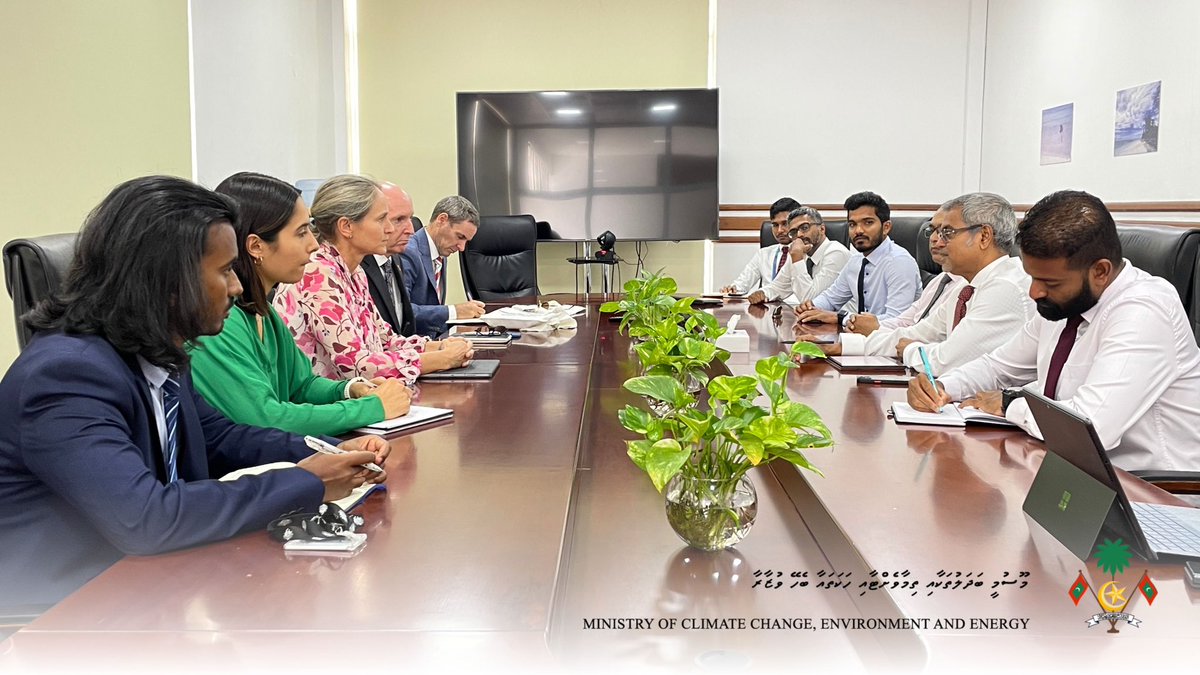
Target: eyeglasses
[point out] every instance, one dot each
(947, 233)
(803, 228)
(490, 331)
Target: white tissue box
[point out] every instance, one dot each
(734, 341)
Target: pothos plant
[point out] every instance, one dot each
(733, 434)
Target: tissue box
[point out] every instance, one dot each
(734, 341)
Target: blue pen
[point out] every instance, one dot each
(928, 370)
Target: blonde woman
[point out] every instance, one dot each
(330, 311)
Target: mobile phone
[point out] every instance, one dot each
(884, 380)
(1191, 572)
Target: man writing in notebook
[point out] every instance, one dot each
(454, 222)
(880, 277)
(974, 235)
(814, 260)
(105, 447)
(1110, 341)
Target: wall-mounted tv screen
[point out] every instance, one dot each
(641, 164)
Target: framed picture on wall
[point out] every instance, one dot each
(1135, 129)
(1057, 127)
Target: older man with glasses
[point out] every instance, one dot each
(816, 260)
(974, 234)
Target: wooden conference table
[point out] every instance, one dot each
(520, 538)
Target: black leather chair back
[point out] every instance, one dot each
(929, 269)
(33, 269)
(765, 236)
(906, 231)
(839, 231)
(417, 225)
(1170, 253)
(500, 262)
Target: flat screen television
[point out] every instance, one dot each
(641, 164)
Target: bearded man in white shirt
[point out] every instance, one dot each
(974, 235)
(814, 261)
(1112, 342)
(769, 260)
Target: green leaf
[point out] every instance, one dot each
(807, 349)
(658, 387)
(635, 419)
(773, 432)
(609, 307)
(753, 448)
(729, 387)
(661, 460)
(797, 459)
(774, 391)
(698, 422)
(773, 368)
(800, 416)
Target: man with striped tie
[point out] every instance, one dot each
(105, 447)
(975, 236)
(1109, 341)
(453, 223)
(768, 261)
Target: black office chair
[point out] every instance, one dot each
(839, 231)
(500, 262)
(34, 268)
(765, 236)
(925, 263)
(1170, 253)
(417, 225)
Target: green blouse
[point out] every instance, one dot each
(270, 382)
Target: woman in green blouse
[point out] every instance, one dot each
(252, 371)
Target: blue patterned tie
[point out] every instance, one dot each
(170, 391)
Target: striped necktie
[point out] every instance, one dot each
(438, 262)
(170, 393)
(783, 256)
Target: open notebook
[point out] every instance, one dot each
(952, 415)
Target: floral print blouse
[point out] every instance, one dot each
(334, 320)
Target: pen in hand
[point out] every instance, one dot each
(928, 369)
(325, 448)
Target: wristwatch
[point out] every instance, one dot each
(1009, 395)
(841, 317)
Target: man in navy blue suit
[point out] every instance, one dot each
(105, 448)
(453, 224)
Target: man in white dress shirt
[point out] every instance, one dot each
(974, 235)
(769, 260)
(1112, 342)
(939, 289)
(814, 261)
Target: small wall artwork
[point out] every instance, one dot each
(1135, 130)
(1057, 125)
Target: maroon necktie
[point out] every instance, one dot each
(960, 310)
(783, 254)
(1061, 351)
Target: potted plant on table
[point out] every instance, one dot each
(700, 457)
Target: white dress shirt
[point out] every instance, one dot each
(795, 283)
(999, 307)
(929, 299)
(156, 377)
(760, 269)
(1134, 371)
(452, 313)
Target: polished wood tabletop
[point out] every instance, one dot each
(506, 536)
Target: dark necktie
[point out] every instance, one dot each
(170, 394)
(808, 262)
(936, 294)
(960, 310)
(783, 254)
(862, 294)
(1062, 350)
(389, 277)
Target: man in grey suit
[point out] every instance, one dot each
(385, 273)
(453, 223)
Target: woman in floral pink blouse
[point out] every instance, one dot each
(330, 311)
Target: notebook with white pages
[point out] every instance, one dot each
(356, 496)
(951, 415)
(418, 415)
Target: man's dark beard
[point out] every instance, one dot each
(1082, 302)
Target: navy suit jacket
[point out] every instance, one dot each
(429, 312)
(82, 477)
(399, 318)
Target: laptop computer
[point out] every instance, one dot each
(1152, 530)
(479, 369)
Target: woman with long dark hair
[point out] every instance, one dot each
(252, 371)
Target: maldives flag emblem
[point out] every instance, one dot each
(1079, 588)
(1146, 586)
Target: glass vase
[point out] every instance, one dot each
(711, 513)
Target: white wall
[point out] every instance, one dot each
(269, 88)
(1044, 53)
(822, 99)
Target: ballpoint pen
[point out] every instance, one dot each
(325, 448)
(928, 370)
